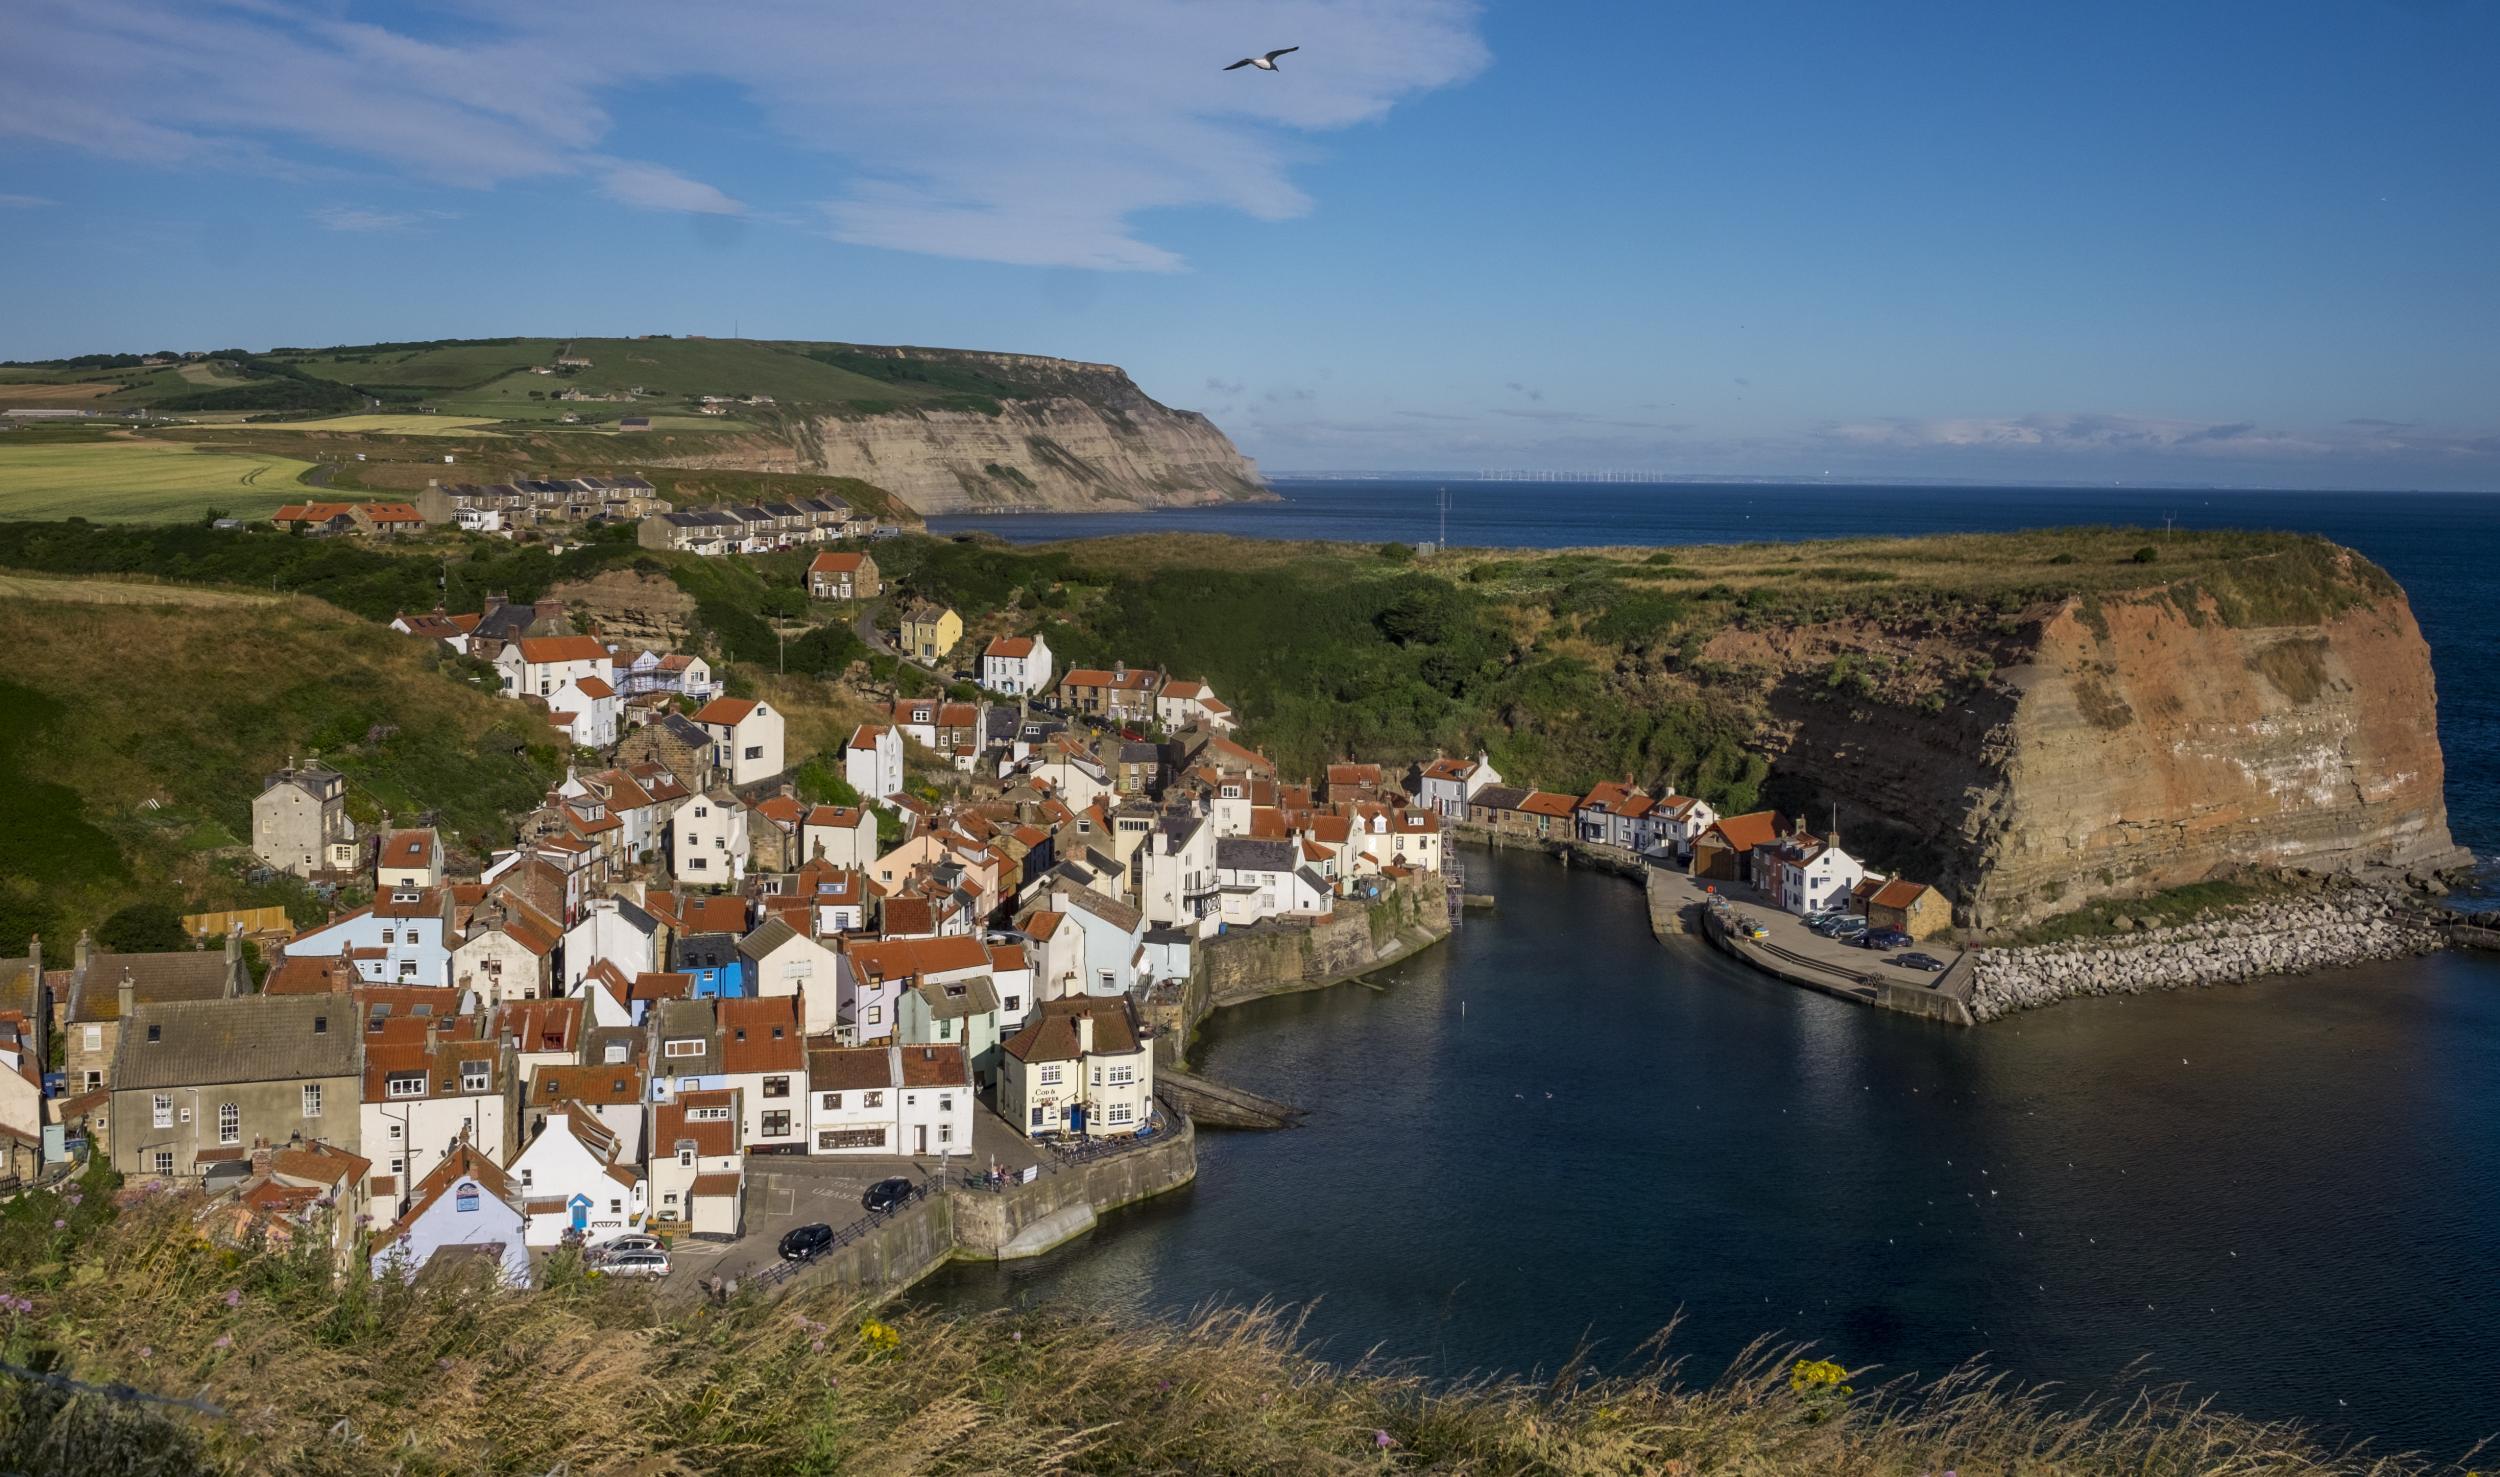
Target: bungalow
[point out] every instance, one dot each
(843, 577)
(746, 737)
(1909, 907)
(466, 1206)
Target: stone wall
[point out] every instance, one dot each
(912, 1243)
(2343, 925)
(1027, 1220)
(1280, 956)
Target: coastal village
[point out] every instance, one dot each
(689, 1017)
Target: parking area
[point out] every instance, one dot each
(1789, 936)
(786, 1191)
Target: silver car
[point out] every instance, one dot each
(635, 1264)
(620, 1245)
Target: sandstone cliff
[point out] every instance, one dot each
(2111, 745)
(1079, 437)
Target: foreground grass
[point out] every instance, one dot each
(296, 1376)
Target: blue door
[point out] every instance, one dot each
(580, 1206)
(1076, 1119)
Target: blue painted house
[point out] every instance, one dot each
(719, 971)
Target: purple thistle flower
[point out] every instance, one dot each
(60, 1225)
(147, 1351)
(234, 1297)
(1383, 1440)
(224, 1341)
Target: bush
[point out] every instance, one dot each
(143, 928)
(2146, 555)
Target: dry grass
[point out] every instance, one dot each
(601, 1379)
(79, 591)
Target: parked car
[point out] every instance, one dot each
(623, 1245)
(886, 1194)
(1884, 938)
(1847, 928)
(1928, 962)
(806, 1243)
(635, 1264)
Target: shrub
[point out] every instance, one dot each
(2146, 555)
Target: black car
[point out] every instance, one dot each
(806, 1243)
(886, 1194)
(1928, 962)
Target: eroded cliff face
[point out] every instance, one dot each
(1093, 441)
(2123, 745)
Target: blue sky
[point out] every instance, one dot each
(2252, 244)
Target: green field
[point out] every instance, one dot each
(141, 481)
(399, 425)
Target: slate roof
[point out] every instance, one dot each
(1244, 854)
(958, 999)
(258, 1038)
(1050, 1034)
(181, 974)
(833, 1068)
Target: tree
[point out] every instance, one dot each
(2147, 554)
(143, 928)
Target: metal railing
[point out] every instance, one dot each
(782, 1271)
(1086, 1151)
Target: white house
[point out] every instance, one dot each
(1446, 785)
(540, 666)
(707, 843)
(585, 708)
(404, 859)
(397, 939)
(936, 1113)
(698, 1167)
(1079, 1066)
(1804, 875)
(875, 973)
(837, 898)
(613, 929)
(763, 1056)
(839, 835)
(1181, 704)
(1018, 666)
(1176, 883)
(854, 1098)
(466, 1206)
(574, 1176)
(432, 1088)
(507, 952)
(873, 760)
(1257, 879)
(746, 738)
(1677, 821)
(1397, 836)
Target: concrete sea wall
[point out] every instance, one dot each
(2344, 925)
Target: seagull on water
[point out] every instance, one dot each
(1265, 63)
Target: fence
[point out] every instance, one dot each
(782, 1271)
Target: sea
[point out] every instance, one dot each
(1555, 1132)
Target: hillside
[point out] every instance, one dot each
(137, 721)
(942, 429)
(2032, 720)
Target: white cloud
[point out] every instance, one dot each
(24, 202)
(1026, 134)
(360, 218)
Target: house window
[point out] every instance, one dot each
(164, 1110)
(1015, 1002)
(946, 1102)
(164, 1161)
(946, 1133)
(755, 751)
(398, 1165)
(1037, 1117)
(95, 1079)
(95, 1038)
(696, 863)
(405, 1084)
(685, 1047)
(229, 1124)
(876, 1014)
(707, 1115)
(1050, 1076)
(872, 1099)
(466, 1199)
(833, 1102)
(312, 1099)
(473, 1076)
(776, 1087)
(1123, 1076)
(386, 936)
(777, 1124)
(700, 812)
(685, 1160)
(1121, 1113)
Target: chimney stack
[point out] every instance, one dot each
(127, 995)
(84, 950)
(1085, 1033)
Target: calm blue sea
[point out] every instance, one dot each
(2444, 547)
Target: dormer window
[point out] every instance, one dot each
(156, 1033)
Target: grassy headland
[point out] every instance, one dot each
(276, 1369)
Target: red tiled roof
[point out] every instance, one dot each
(835, 563)
(1747, 831)
(1017, 647)
(1900, 892)
(538, 650)
(761, 1034)
(728, 712)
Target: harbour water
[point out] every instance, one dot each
(2284, 1195)
(1553, 1127)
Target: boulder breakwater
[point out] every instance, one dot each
(2348, 924)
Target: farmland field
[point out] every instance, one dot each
(397, 425)
(141, 481)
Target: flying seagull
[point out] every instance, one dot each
(1265, 63)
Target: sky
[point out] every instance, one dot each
(2213, 243)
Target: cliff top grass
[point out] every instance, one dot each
(259, 1363)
